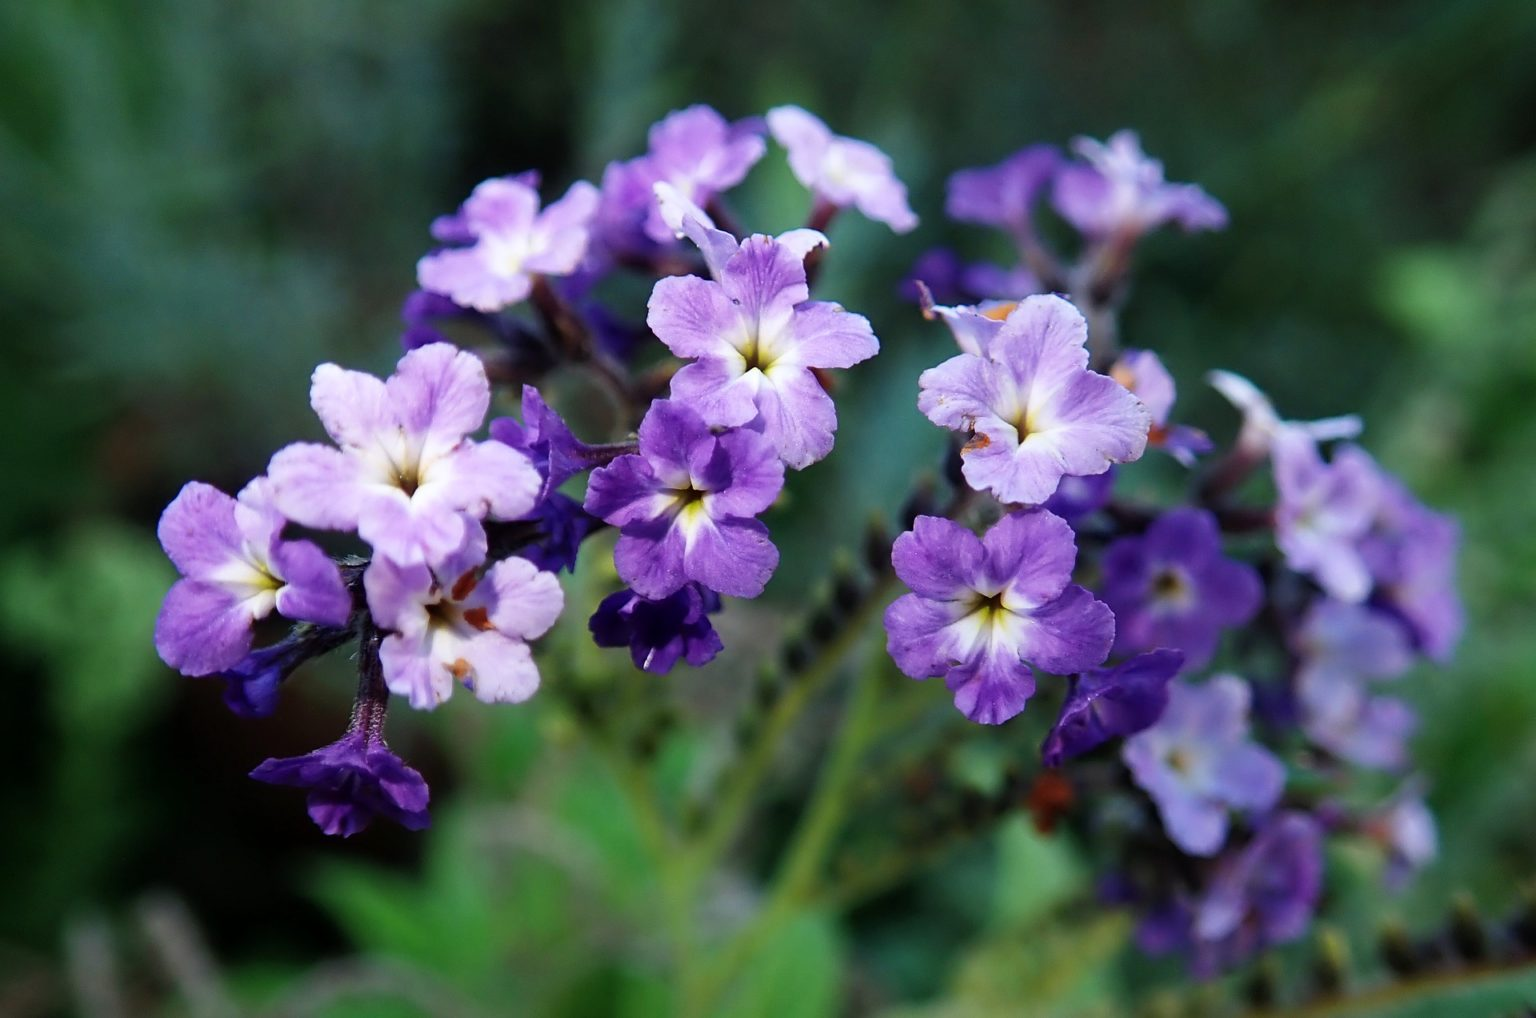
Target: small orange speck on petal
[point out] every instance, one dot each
(465, 586)
(461, 669)
(979, 440)
(478, 618)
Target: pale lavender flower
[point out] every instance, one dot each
(685, 506)
(1323, 512)
(236, 569)
(1261, 424)
(1110, 703)
(984, 611)
(1173, 587)
(841, 171)
(1120, 192)
(405, 477)
(1411, 551)
(449, 624)
(1031, 406)
(1341, 647)
(1143, 373)
(510, 242)
(756, 340)
(1198, 762)
(1004, 195)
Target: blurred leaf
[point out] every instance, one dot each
(797, 973)
(1036, 874)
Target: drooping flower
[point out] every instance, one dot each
(1173, 587)
(352, 781)
(1119, 192)
(841, 171)
(1111, 703)
(405, 477)
(756, 339)
(1198, 761)
(1033, 409)
(1142, 372)
(1411, 552)
(1004, 195)
(1323, 512)
(510, 241)
(662, 632)
(984, 611)
(685, 506)
(448, 624)
(250, 686)
(1261, 424)
(236, 569)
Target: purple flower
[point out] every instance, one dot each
(1077, 497)
(841, 171)
(1340, 647)
(547, 441)
(1262, 895)
(1110, 703)
(659, 633)
(1198, 761)
(510, 242)
(1411, 552)
(406, 477)
(1172, 587)
(973, 326)
(685, 506)
(1261, 424)
(935, 278)
(1122, 193)
(236, 568)
(1033, 409)
(352, 781)
(1324, 510)
(448, 624)
(1142, 372)
(994, 282)
(1004, 195)
(1405, 829)
(250, 687)
(756, 340)
(984, 610)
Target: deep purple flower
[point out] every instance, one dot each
(547, 441)
(1120, 192)
(1142, 372)
(1077, 497)
(1324, 510)
(1111, 703)
(1411, 552)
(1003, 195)
(935, 278)
(659, 633)
(756, 339)
(406, 477)
(1259, 896)
(512, 241)
(236, 568)
(984, 610)
(448, 624)
(990, 281)
(1173, 587)
(841, 171)
(685, 506)
(352, 781)
(1261, 423)
(1198, 761)
(250, 686)
(1033, 409)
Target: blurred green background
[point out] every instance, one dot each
(203, 200)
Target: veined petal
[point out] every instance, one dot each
(198, 530)
(526, 601)
(734, 556)
(439, 394)
(203, 629)
(318, 486)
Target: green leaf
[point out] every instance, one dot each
(796, 974)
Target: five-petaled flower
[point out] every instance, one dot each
(235, 569)
(841, 171)
(1004, 195)
(406, 477)
(686, 503)
(510, 242)
(984, 610)
(1031, 406)
(1120, 192)
(1324, 510)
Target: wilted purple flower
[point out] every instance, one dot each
(352, 781)
(236, 569)
(757, 339)
(1324, 510)
(1110, 703)
(1077, 497)
(685, 506)
(1405, 829)
(1142, 372)
(250, 686)
(511, 241)
(1120, 192)
(984, 610)
(1259, 896)
(841, 171)
(662, 632)
(1341, 647)
(1033, 409)
(1003, 195)
(1261, 424)
(406, 477)
(1197, 762)
(1411, 551)
(448, 624)
(547, 441)
(1173, 587)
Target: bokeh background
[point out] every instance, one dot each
(199, 201)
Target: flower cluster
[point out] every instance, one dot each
(1133, 604)
(464, 536)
